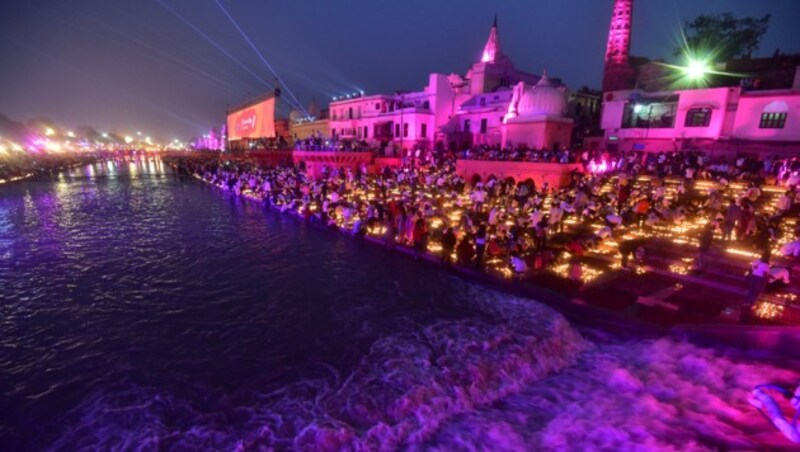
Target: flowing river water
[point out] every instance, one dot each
(139, 310)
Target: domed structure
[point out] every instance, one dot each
(537, 117)
(542, 99)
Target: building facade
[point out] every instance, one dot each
(640, 114)
(494, 103)
(715, 119)
(313, 126)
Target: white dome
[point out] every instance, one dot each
(542, 99)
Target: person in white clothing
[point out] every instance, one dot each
(519, 265)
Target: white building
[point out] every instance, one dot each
(725, 119)
(454, 110)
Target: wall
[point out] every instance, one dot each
(541, 134)
(270, 158)
(442, 99)
(382, 162)
(748, 117)
(716, 99)
(316, 160)
(735, 116)
(554, 174)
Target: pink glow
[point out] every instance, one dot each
(619, 34)
(553, 174)
(617, 73)
(741, 123)
(599, 168)
(664, 394)
(492, 48)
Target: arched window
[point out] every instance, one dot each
(774, 115)
(698, 117)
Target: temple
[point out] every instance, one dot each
(494, 103)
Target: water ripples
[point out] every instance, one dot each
(139, 310)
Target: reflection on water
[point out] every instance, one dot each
(139, 309)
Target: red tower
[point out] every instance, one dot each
(618, 74)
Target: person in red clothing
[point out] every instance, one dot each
(641, 209)
(493, 249)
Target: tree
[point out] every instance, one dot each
(722, 36)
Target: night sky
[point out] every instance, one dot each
(125, 65)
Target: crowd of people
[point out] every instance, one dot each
(316, 142)
(512, 227)
(518, 154)
(20, 165)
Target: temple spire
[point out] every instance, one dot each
(491, 51)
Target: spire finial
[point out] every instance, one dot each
(495, 21)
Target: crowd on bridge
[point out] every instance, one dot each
(512, 227)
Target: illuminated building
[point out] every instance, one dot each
(726, 119)
(713, 109)
(454, 111)
(315, 125)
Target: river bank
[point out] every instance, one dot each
(598, 305)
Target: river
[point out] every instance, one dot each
(142, 310)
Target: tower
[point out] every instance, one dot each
(618, 73)
(492, 69)
(491, 51)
